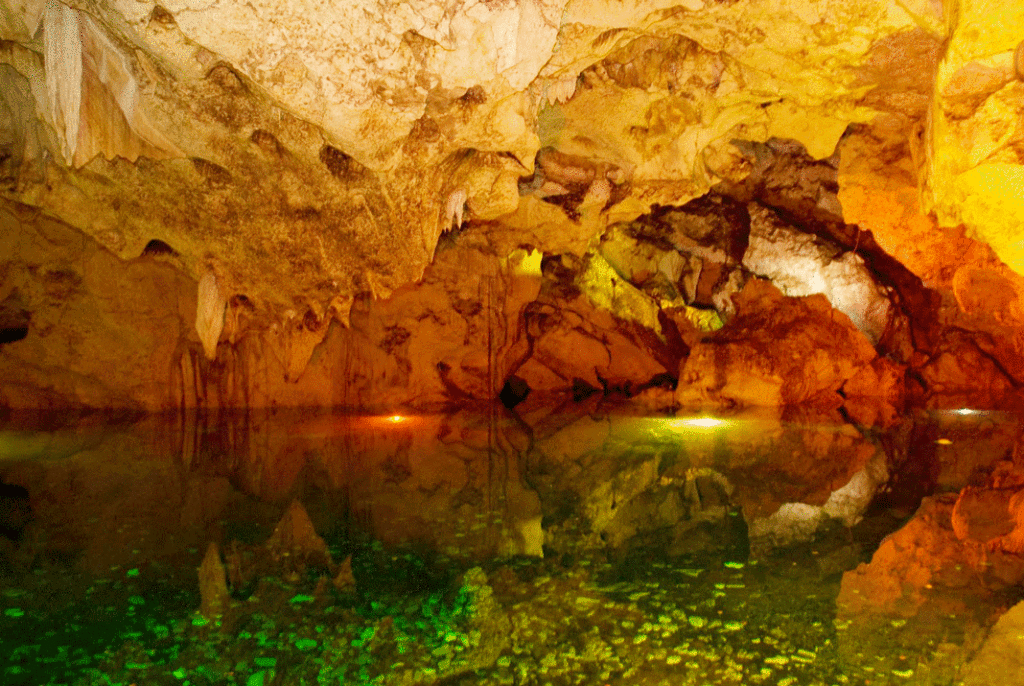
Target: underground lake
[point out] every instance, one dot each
(585, 544)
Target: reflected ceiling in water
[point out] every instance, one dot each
(610, 507)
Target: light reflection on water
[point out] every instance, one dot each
(620, 549)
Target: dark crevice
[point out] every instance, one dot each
(12, 334)
(158, 247)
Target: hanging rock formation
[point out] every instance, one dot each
(209, 314)
(365, 187)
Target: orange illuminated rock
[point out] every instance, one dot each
(982, 515)
(878, 188)
(580, 342)
(776, 351)
(959, 365)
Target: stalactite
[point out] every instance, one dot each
(62, 47)
(93, 96)
(453, 210)
(210, 308)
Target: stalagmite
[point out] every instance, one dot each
(210, 308)
(213, 585)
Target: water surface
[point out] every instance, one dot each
(562, 547)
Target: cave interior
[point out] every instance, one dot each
(512, 342)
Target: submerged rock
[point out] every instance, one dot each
(1001, 658)
(213, 586)
(296, 540)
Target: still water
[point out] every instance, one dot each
(562, 547)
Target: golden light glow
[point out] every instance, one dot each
(390, 420)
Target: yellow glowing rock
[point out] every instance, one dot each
(818, 132)
(704, 320)
(975, 177)
(609, 291)
(525, 262)
(991, 198)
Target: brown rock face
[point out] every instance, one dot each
(776, 351)
(983, 515)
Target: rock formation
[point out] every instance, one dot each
(371, 209)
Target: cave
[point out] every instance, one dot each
(582, 342)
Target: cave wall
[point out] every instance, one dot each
(668, 309)
(233, 205)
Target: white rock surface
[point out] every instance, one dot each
(800, 264)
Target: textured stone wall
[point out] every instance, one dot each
(359, 188)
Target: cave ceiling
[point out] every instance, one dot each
(305, 153)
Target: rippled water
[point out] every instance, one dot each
(563, 547)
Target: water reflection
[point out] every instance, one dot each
(721, 541)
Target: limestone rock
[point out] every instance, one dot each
(983, 515)
(876, 394)
(93, 94)
(879, 192)
(959, 366)
(209, 313)
(800, 264)
(975, 167)
(294, 340)
(319, 168)
(776, 351)
(692, 251)
(589, 326)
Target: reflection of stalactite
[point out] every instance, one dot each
(186, 379)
